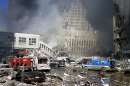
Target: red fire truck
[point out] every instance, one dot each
(20, 58)
(21, 61)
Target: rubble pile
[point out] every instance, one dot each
(50, 81)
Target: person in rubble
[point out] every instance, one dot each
(101, 73)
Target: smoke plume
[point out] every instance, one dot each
(39, 17)
(44, 17)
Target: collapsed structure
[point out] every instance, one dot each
(80, 37)
(121, 24)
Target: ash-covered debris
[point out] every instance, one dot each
(50, 80)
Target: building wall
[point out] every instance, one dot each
(23, 40)
(46, 49)
(6, 39)
(6, 48)
(79, 44)
(121, 25)
(80, 38)
(38, 47)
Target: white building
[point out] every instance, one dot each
(46, 49)
(23, 40)
(12, 41)
(32, 41)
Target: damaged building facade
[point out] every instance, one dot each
(80, 37)
(11, 42)
(121, 31)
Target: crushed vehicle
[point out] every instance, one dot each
(31, 76)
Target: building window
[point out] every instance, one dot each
(40, 45)
(22, 40)
(43, 47)
(14, 39)
(32, 41)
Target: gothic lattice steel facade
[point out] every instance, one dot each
(80, 37)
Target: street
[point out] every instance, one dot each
(74, 76)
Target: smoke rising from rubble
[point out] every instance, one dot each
(39, 17)
(48, 24)
(44, 17)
